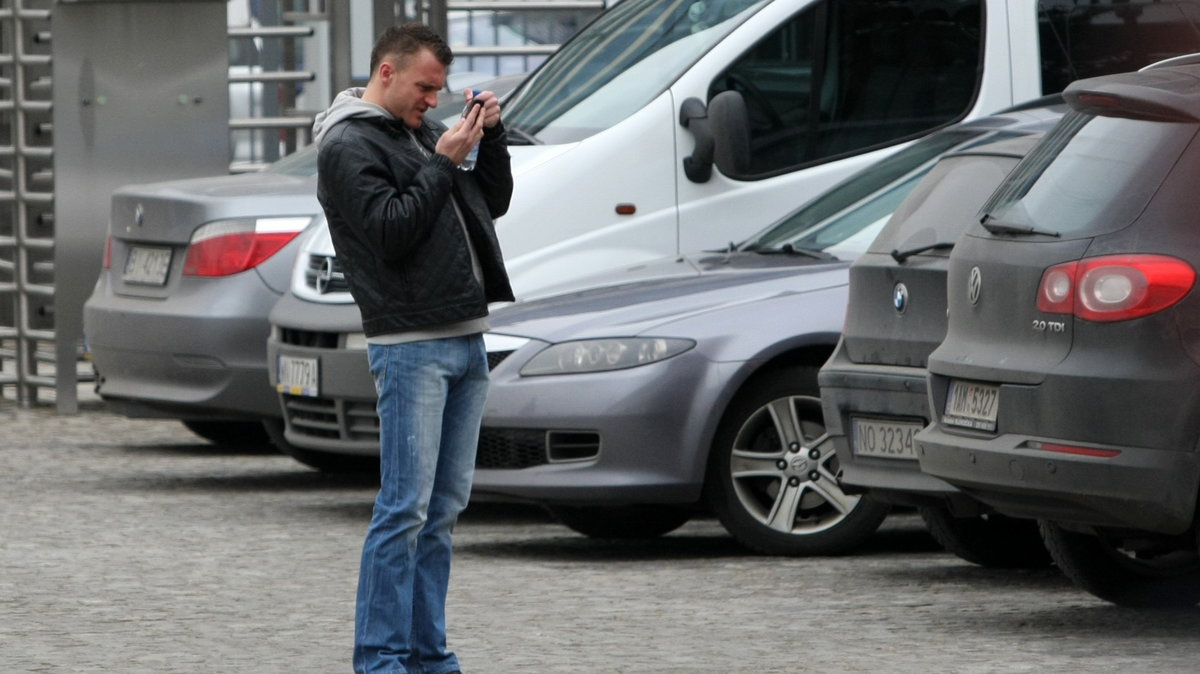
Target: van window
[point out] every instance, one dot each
(617, 64)
(843, 76)
(1100, 37)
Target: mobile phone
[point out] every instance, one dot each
(474, 101)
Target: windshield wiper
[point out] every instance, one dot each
(996, 227)
(902, 255)
(521, 137)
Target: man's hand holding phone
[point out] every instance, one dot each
(489, 103)
(460, 138)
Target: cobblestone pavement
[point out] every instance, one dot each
(133, 546)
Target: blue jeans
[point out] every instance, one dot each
(431, 397)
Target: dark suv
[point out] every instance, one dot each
(873, 387)
(1067, 388)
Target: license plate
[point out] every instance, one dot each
(883, 438)
(297, 376)
(147, 266)
(972, 405)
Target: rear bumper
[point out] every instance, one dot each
(1137, 406)
(1143, 489)
(203, 357)
(880, 391)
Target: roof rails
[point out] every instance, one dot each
(1182, 60)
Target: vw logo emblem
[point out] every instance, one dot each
(900, 297)
(325, 275)
(974, 286)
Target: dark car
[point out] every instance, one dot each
(1067, 388)
(873, 387)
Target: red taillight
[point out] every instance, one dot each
(107, 264)
(232, 246)
(1114, 287)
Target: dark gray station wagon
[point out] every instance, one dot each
(1067, 388)
(873, 387)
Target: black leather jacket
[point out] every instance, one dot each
(395, 231)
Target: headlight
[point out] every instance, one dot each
(600, 355)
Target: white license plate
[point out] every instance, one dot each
(147, 266)
(972, 405)
(883, 438)
(297, 376)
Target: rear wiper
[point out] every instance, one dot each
(902, 255)
(996, 227)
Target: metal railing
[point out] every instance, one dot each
(26, 202)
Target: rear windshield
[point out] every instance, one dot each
(302, 163)
(1090, 175)
(869, 195)
(946, 202)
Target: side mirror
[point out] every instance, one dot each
(694, 117)
(722, 131)
(730, 124)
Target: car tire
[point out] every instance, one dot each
(990, 540)
(1099, 565)
(623, 522)
(326, 462)
(778, 498)
(230, 433)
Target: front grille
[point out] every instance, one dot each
(324, 274)
(511, 448)
(572, 445)
(332, 419)
(309, 338)
(497, 357)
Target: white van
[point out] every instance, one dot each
(667, 126)
(670, 126)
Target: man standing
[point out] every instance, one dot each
(415, 237)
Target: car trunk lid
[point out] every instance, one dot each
(996, 332)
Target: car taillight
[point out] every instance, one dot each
(1114, 287)
(227, 247)
(107, 264)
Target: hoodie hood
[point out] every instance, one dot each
(347, 105)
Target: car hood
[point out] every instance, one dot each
(525, 158)
(673, 266)
(170, 211)
(716, 283)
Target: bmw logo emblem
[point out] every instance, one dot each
(900, 297)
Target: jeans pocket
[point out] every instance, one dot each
(378, 359)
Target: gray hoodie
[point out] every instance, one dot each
(346, 105)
